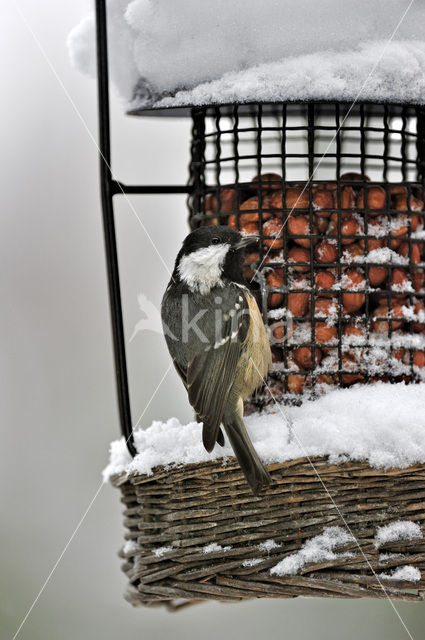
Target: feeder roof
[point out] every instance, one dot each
(168, 57)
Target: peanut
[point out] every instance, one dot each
(415, 256)
(349, 227)
(299, 255)
(350, 362)
(322, 201)
(353, 251)
(418, 279)
(377, 275)
(419, 359)
(295, 198)
(383, 325)
(352, 176)
(298, 303)
(353, 301)
(353, 330)
(325, 307)
(275, 279)
(402, 204)
(296, 383)
(224, 202)
(376, 199)
(348, 200)
(274, 229)
(324, 333)
(419, 308)
(304, 356)
(324, 280)
(278, 332)
(399, 225)
(300, 226)
(267, 182)
(326, 252)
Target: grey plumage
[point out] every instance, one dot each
(215, 358)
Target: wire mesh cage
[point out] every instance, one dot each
(335, 194)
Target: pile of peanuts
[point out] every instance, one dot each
(342, 274)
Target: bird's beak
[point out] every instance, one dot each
(245, 241)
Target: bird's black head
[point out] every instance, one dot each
(210, 256)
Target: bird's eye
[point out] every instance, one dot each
(215, 241)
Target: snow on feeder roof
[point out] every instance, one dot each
(184, 52)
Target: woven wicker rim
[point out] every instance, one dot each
(190, 507)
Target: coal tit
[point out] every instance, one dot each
(217, 339)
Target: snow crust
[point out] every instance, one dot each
(408, 572)
(252, 562)
(130, 546)
(268, 545)
(246, 50)
(384, 255)
(326, 75)
(321, 548)
(161, 551)
(399, 530)
(381, 423)
(211, 548)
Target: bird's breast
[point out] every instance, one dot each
(256, 355)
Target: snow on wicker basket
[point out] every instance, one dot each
(344, 516)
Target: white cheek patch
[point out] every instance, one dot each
(201, 270)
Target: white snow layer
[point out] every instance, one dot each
(130, 546)
(408, 573)
(211, 548)
(399, 530)
(268, 545)
(381, 423)
(252, 563)
(161, 551)
(321, 548)
(245, 50)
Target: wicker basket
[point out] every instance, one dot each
(174, 514)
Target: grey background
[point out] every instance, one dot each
(58, 404)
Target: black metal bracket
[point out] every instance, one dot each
(109, 188)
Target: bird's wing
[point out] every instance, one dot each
(181, 371)
(211, 373)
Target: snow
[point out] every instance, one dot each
(130, 546)
(210, 548)
(321, 548)
(268, 545)
(252, 562)
(384, 557)
(82, 48)
(398, 77)
(161, 551)
(408, 572)
(381, 423)
(384, 255)
(187, 52)
(399, 530)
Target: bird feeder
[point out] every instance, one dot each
(335, 192)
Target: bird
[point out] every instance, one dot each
(217, 339)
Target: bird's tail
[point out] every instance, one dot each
(253, 469)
